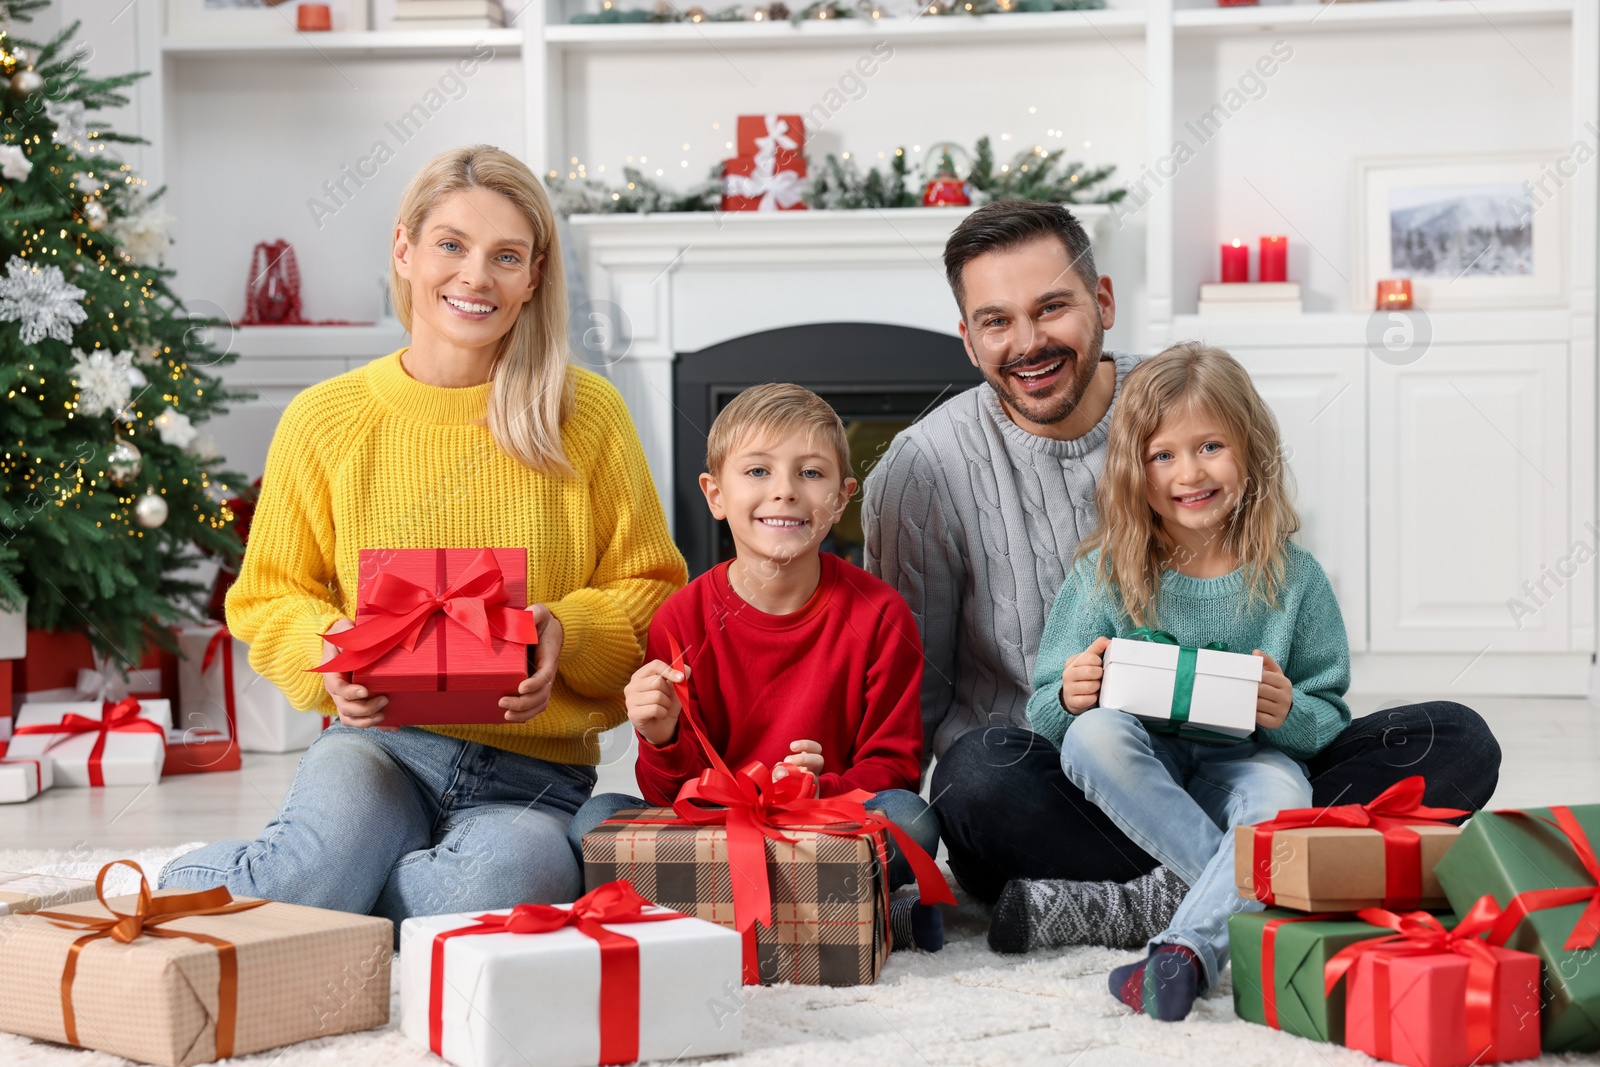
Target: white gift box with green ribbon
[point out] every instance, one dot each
(1203, 694)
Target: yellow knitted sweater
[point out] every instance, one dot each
(376, 459)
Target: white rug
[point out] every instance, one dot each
(964, 1005)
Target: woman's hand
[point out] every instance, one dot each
(1080, 679)
(355, 705)
(533, 695)
(1276, 695)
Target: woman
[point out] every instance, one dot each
(480, 434)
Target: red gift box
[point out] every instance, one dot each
(50, 670)
(1432, 997)
(759, 183)
(441, 632)
(780, 136)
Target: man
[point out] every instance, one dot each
(974, 514)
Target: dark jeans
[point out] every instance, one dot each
(1007, 811)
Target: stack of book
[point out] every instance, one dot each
(448, 15)
(1244, 298)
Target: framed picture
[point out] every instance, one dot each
(254, 18)
(1469, 231)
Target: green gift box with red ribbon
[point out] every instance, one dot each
(1278, 960)
(1540, 865)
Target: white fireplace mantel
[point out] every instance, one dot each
(664, 284)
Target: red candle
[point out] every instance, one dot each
(314, 17)
(1274, 259)
(1394, 294)
(1235, 262)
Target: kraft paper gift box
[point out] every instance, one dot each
(1278, 960)
(1541, 863)
(552, 996)
(1333, 868)
(441, 632)
(829, 893)
(196, 988)
(122, 752)
(22, 893)
(1198, 693)
(22, 779)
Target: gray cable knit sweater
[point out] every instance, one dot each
(975, 520)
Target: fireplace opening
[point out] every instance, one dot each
(879, 378)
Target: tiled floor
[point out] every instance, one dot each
(1551, 755)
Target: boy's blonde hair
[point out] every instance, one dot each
(1190, 375)
(776, 407)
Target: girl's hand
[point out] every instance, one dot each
(807, 758)
(533, 694)
(653, 706)
(356, 706)
(1080, 681)
(1276, 695)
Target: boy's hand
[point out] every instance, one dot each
(1276, 695)
(1080, 681)
(807, 757)
(653, 707)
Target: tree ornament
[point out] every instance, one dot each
(175, 428)
(944, 187)
(123, 462)
(26, 83)
(25, 56)
(151, 510)
(94, 213)
(42, 299)
(14, 162)
(104, 381)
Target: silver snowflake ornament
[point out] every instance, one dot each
(104, 383)
(71, 129)
(41, 299)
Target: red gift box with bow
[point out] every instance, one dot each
(781, 136)
(442, 632)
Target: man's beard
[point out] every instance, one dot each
(1047, 411)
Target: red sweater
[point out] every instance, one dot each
(844, 671)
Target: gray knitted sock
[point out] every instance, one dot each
(1051, 912)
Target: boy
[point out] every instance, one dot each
(795, 658)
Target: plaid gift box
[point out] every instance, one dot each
(829, 893)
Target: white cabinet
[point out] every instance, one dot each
(1469, 500)
(1318, 396)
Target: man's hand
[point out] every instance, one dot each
(652, 705)
(533, 693)
(1276, 695)
(1080, 680)
(356, 706)
(806, 758)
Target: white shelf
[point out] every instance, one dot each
(314, 342)
(1343, 329)
(360, 43)
(1391, 15)
(1055, 25)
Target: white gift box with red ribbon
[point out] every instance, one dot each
(24, 778)
(251, 709)
(552, 999)
(93, 743)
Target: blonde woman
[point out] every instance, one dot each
(1195, 519)
(481, 433)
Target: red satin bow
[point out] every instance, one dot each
(399, 608)
(1587, 929)
(1420, 934)
(753, 806)
(1392, 812)
(121, 717)
(614, 902)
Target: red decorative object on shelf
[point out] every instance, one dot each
(272, 296)
(1236, 261)
(1273, 265)
(1394, 294)
(314, 17)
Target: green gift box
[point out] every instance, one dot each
(1301, 946)
(1541, 850)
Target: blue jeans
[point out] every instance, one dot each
(900, 806)
(1179, 800)
(406, 823)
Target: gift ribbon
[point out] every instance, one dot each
(1419, 934)
(396, 610)
(614, 902)
(146, 921)
(753, 806)
(777, 137)
(1392, 813)
(1587, 929)
(777, 188)
(1269, 961)
(1182, 686)
(38, 771)
(121, 717)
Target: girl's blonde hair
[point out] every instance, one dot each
(530, 390)
(1196, 376)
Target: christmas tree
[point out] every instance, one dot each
(107, 488)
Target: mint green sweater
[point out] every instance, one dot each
(1306, 637)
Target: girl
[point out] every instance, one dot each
(480, 434)
(1195, 518)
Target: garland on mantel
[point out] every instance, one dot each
(1034, 174)
(821, 11)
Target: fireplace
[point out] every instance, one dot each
(880, 378)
